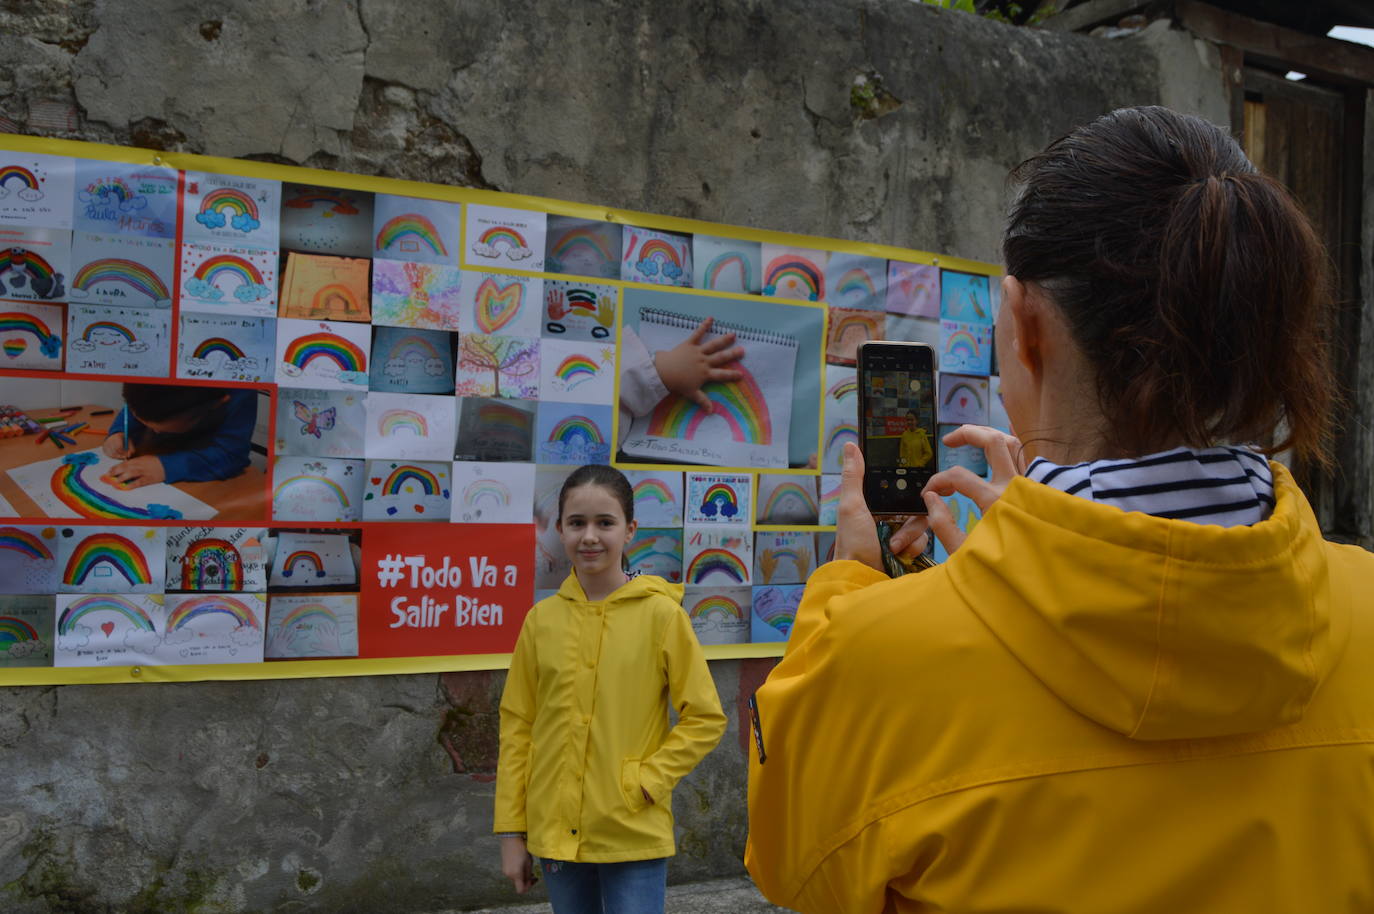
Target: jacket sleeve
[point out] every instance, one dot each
(517, 721)
(225, 454)
(795, 788)
(701, 722)
(640, 386)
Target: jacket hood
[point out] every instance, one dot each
(1158, 629)
(637, 587)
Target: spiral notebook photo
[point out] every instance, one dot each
(748, 424)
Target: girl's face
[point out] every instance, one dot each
(594, 530)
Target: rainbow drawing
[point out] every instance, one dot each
(325, 297)
(842, 328)
(405, 473)
(14, 348)
(71, 488)
(287, 486)
(785, 493)
(582, 300)
(647, 549)
(338, 203)
(416, 346)
(842, 432)
(311, 558)
(309, 612)
(497, 305)
(856, 282)
(740, 403)
(716, 269)
(199, 607)
(18, 173)
(402, 420)
(15, 631)
(574, 427)
(19, 322)
(95, 327)
(126, 272)
(209, 347)
(107, 549)
(718, 607)
(503, 421)
(305, 349)
(111, 187)
(716, 561)
(236, 202)
(964, 344)
(964, 387)
(779, 616)
(794, 277)
(583, 238)
(25, 543)
(228, 265)
(656, 249)
(481, 490)
(24, 261)
(407, 225)
(209, 554)
(575, 369)
(76, 611)
(843, 388)
(719, 498)
(653, 489)
(503, 234)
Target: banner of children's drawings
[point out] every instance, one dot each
(259, 421)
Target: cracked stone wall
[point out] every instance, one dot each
(374, 794)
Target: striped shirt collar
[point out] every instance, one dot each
(1226, 486)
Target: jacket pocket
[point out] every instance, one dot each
(630, 785)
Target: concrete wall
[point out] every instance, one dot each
(374, 794)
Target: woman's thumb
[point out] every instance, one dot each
(942, 522)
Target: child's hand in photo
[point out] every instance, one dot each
(690, 364)
(140, 471)
(113, 446)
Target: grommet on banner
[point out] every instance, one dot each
(157, 160)
(136, 671)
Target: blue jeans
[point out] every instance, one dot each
(633, 887)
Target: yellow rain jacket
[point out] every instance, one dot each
(584, 722)
(1084, 710)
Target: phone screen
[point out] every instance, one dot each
(897, 424)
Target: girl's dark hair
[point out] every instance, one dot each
(1194, 285)
(595, 474)
(161, 402)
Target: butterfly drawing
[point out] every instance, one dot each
(314, 421)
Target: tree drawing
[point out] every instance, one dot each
(512, 361)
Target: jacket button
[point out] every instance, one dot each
(574, 831)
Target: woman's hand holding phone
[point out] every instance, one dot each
(1005, 460)
(856, 533)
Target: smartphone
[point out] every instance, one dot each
(896, 425)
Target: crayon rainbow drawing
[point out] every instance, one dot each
(27, 181)
(716, 561)
(486, 490)
(497, 305)
(740, 403)
(232, 268)
(963, 344)
(104, 603)
(335, 298)
(49, 343)
(413, 347)
(228, 204)
(42, 277)
(212, 563)
(407, 232)
(108, 333)
(572, 428)
(15, 631)
(188, 611)
(303, 482)
(393, 422)
(70, 486)
(843, 389)
(304, 560)
(208, 347)
(778, 615)
(969, 397)
(794, 277)
(583, 242)
(504, 423)
(719, 498)
(855, 284)
(789, 498)
(653, 547)
(110, 549)
(339, 203)
(575, 369)
(13, 539)
(852, 328)
(303, 350)
(309, 614)
(399, 481)
(718, 607)
(130, 273)
(722, 266)
(657, 257)
(653, 489)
